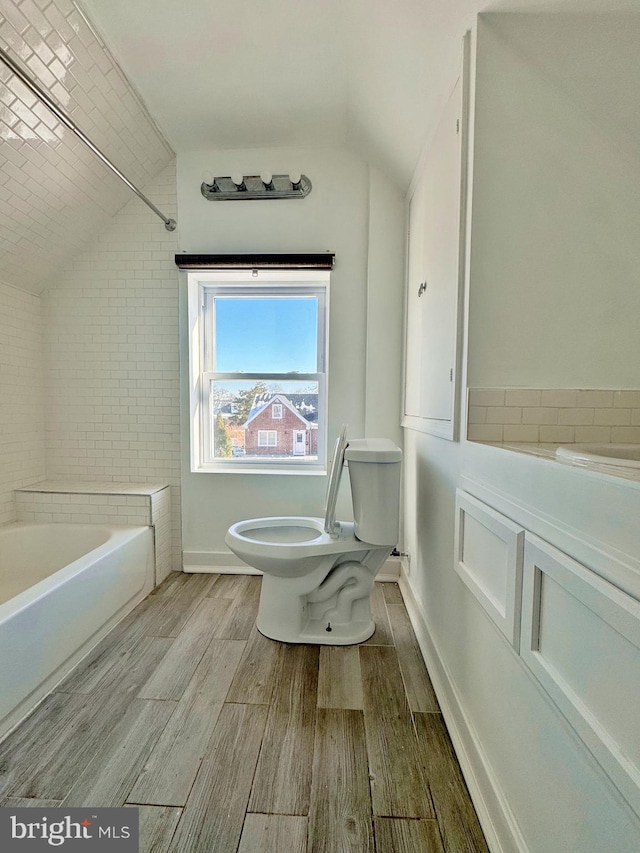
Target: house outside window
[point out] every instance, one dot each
(258, 353)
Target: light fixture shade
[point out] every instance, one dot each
(239, 187)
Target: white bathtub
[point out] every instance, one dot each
(62, 587)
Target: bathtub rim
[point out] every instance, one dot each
(119, 535)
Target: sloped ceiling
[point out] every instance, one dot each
(257, 73)
(371, 75)
(368, 74)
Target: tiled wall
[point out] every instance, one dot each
(54, 193)
(104, 504)
(83, 509)
(22, 458)
(554, 415)
(112, 361)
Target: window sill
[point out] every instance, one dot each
(307, 471)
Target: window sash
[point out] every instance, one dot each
(265, 437)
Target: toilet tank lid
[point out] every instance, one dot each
(372, 450)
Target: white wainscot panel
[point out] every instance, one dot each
(489, 549)
(581, 639)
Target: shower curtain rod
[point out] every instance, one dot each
(60, 114)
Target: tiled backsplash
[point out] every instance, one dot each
(564, 416)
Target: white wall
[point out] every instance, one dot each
(556, 216)
(535, 783)
(365, 327)
(22, 455)
(112, 371)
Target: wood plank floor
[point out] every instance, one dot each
(231, 743)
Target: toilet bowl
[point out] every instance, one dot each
(319, 572)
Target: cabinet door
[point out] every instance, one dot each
(415, 279)
(581, 639)
(439, 301)
(434, 275)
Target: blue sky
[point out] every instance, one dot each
(266, 335)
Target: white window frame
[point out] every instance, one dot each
(267, 434)
(276, 411)
(203, 287)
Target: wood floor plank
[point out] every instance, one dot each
(157, 826)
(339, 679)
(392, 594)
(172, 766)
(282, 783)
(233, 586)
(116, 764)
(268, 833)
(417, 683)
(179, 664)
(214, 815)
(255, 677)
(108, 653)
(340, 813)
(398, 785)
(27, 803)
(124, 669)
(382, 636)
(241, 618)
(456, 815)
(22, 747)
(63, 743)
(395, 835)
(174, 606)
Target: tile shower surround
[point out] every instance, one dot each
(55, 194)
(563, 416)
(112, 357)
(22, 456)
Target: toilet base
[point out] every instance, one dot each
(315, 632)
(329, 606)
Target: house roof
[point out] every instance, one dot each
(305, 406)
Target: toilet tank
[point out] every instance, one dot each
(374, 472)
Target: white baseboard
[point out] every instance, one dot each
(496, 818)
(226, 563)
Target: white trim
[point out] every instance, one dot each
(267, 434)
(498, 822)
(505, 613)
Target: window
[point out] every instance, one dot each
(258, 353)
(267, 438)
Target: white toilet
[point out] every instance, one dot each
(319, 573)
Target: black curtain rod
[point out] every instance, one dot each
(323, 261)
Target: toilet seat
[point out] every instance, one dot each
(289, 546)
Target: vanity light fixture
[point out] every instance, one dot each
(237, 187)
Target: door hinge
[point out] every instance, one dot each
(457, 125)
(451, 375)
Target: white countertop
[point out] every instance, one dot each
(548, 451)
